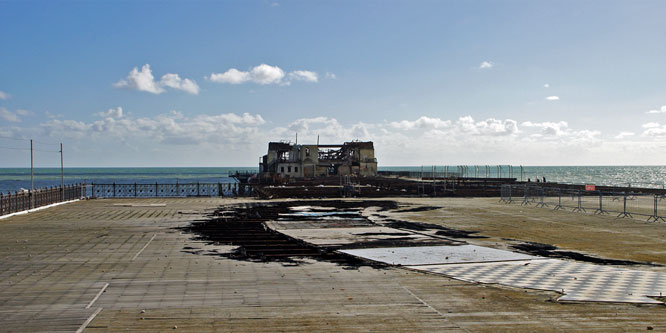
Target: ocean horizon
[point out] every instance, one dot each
(15, 179)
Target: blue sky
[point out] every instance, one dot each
(445, 82)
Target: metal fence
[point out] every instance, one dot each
(624, 204)
(169, 190)
(25, 200)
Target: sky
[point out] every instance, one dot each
(210, 83)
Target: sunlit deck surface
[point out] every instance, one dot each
(122, 264)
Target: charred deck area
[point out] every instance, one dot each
(243, 227)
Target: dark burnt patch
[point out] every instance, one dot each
(441, 230)
(551, 251)
(242, 226)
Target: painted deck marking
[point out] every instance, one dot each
(85, 324)
(144, 247)
(97, 296)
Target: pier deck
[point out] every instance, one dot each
(112, 265)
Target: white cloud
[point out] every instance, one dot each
(421, 123)
(264, 74)
(144, 80)
(275, 4)
(559, 131)
(307, 76)
(4, 95)
(623, 135)
(654, 130)
(9, 116)
(549, 128)
(14, 117)
(546, 85)
(112, 113)
(238, 138)
(172, 128)
(661, 110)
(174, 81)
(331, 76)
(232, 76)
(488, 127)
(140, 80)
(553, 98)
(486, 65)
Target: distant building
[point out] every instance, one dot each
(288, 160)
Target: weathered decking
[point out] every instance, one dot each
(120, 264)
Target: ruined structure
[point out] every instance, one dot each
(288, 160)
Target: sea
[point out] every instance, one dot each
(16, 179)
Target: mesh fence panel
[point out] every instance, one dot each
(620, 203)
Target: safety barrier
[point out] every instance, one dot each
(169, 190)
(26, 199)
(624, 204)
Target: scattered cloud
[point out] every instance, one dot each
(623, 135)
(558, 131)
(264, 74)
(239, 137)
(553, 98)
(14, 117)
(9, 116)
(4, 95)
(661, 110)
(174, 81)
(490, 126)
(653, 129)
(331, 76)
(546, 85)
(140, 80)
(232, 76)
(112, 113)
(172, 128)
(143, 80)
(275, 4)
(486, 65)
(307, 76)
(421, 123)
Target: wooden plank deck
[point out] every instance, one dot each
(55, 266)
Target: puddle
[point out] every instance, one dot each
(551, 251)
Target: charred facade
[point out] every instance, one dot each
(287, 160)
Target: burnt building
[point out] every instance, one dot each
(289, 160)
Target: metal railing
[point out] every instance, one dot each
(624, 204)
(170, 190)
(25, 200)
